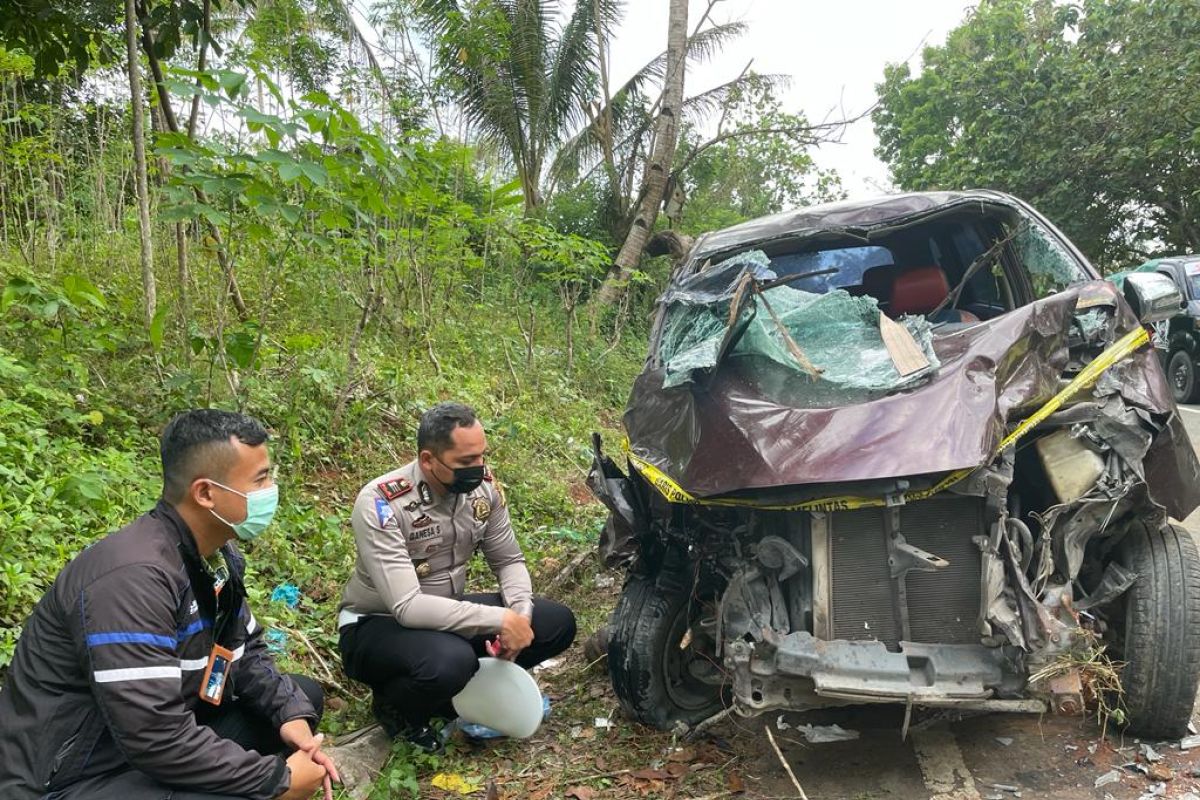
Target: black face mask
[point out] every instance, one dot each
(466, 479)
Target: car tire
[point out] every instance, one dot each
(1161, 645)
(648, 658)
(1181, 372)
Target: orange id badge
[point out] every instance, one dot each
(213, 685)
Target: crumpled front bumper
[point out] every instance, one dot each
(799, 670)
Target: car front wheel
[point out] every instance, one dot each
(1181, 371)
(1161, 646)
(662, 663)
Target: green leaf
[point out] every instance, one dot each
(80, 290)
(290, 173)
(157, 326)
(232, 82)
(315, 172)
(15, 289)
(273, 156)
(239, 346)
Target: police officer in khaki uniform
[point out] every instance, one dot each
(406, 627)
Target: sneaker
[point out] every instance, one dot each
(387, 716)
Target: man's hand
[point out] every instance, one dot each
(307, 777)
(515, 634)
(298, 735)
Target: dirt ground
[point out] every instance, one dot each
(588, 749)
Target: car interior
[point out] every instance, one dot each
(909, 270)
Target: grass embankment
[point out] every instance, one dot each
(84, 391)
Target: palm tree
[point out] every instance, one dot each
(537, 87)
(521, 77)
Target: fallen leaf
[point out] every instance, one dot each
(453, 782)
(581, 793)
(683, 755)
(733, 782)
(492, 792)
(1161, 772)
(677, 770)
(649, 775)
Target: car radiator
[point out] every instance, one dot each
(862, 600)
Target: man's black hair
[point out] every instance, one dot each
(196, 444)
(436, 431)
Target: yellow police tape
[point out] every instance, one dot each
(674, 493)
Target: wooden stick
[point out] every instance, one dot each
(786, 765)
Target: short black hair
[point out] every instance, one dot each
(436, 431)
(196, 444)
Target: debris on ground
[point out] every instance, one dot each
(1112, 776)
(1161, 772)
(276, 640)
(286, 593)
(1004, 787)
(823, 734)
(1157, 790)
(1004, 740)
(1188, 742)
(453, 782)
(1151, 755)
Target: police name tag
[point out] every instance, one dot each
(213, 685)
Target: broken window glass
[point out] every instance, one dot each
(837, 333)
(1051, 268)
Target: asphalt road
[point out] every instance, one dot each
(990, 756)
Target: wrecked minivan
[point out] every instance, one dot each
(912, 450)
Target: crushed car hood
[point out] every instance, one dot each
(732, 432)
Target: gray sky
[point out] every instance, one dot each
(834, 50)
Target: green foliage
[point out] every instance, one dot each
(758, 165)
(1085, 110)
(71, 472)
(522, 76)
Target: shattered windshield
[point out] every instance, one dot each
(822, 348)
(838, 268)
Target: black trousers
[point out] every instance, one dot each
(229, 721)
(417, 671)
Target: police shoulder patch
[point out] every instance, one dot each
(383, 510)
(395, 487)
(481, 509)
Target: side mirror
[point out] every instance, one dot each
(1153, 297)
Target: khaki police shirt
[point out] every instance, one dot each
(413, 550)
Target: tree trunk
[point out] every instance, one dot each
(658, 168)
(172, 124)
(139, 158)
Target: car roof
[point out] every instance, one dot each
(854, 214)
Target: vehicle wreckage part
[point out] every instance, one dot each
(662, 664)
(1071, 466)
(1161, 644)
(1066, 693)
(1152, 296)
(674, 493)
(799, 664)
(857, 593)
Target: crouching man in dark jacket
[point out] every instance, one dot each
(142, 674)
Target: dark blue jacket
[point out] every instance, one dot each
(107, 671)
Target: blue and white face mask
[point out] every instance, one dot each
(260, 510)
